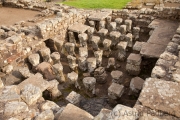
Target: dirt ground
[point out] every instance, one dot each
(9, 16)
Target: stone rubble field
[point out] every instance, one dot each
(63, 63)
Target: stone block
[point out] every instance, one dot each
(116, 76)
(134, 59)
(115, 91)
(136, 84)
(73, 98)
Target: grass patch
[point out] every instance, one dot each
(89, 4)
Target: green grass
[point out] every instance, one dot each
(97, 4)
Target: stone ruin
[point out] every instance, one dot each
(75, 64)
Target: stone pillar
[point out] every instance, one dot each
(116, 76)
(115, 37)
(82, 63)
(102, 33)
(108, 20)
(107, 49)
(122, 29)
(102, 24)
(92, 24)
(133, 66)
(58, 70)
(73, 79)
(45, 54)
(136, 31)
(72, 37)
(111, 64)
(98, 55)
(95, 41)
(128, 38)
(34, 59)
(83, 39)
(90, 32)
(118, 23)
(128, 24)
(89, 84)
(91, 63)
(55, 56)
(112, 26)
(122, 50)
(53, 88)
(115, 91)
(83, 52)
(72, 62)
(70, 47)
(100, 75)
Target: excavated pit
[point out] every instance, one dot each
(94, 103)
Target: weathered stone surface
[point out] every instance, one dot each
(34, 59)
(53, 89)
(7, 69)
(82, 63)
(79, 28)
(58, 70)
(152, 50)
(121, 112)
(24, 72)
(111, 64)
(157, 94)
(72, 62)
(122, 29)
(1, 84)
(99, 16)
(36, 80)
(14, 108)
(158, 72)
(95, 41)
(10, 93)
(116, 76)
(83, 52)
(55, 56)
(49, 105)
(45, 54)
(89, 83)
(100, 75)
(98, 55)
(72, 112)
(70, 47)
(30, 94)
(138, 46)
(115, 91)
(133, 69)
(134, 59)
(83, 39)
(136, 84)
(129, 39)
(91, 63)
(46, 70)
(103, 114)
(73, 97)
(45, 115)
(128, 24)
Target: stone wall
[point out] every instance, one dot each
(159, 12)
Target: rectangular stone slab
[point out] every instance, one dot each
(99, 16)
(163, 32)
(152, 50)
(161, 95)
(79, 28)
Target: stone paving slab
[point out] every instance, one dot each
(99, 16)
(163, 32)
(152, 50)
(79, 28)
(161, 95)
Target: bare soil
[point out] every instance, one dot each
(9, 16)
